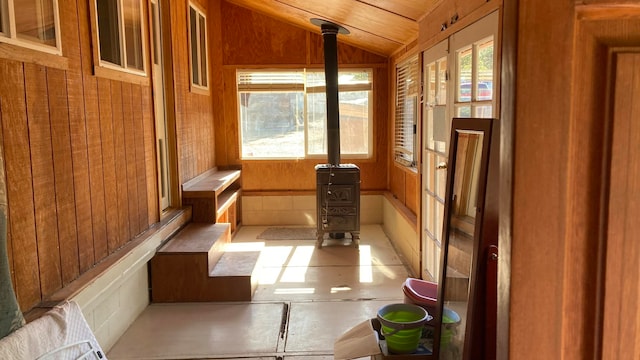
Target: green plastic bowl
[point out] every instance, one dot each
(402, 326)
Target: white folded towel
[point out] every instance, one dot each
(61, 333)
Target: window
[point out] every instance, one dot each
(406, 112)
(283, 114)
(472, 63)
(198, 47)
(120, 35)
(31, 23)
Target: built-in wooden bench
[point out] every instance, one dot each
(193, 266)
(214, 196)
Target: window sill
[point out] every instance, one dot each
(119, 75)
(195, 89)
(409, 169)
(22, 54)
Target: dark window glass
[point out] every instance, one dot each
(193, 20)
(109, 32)
(203, 52)
(133, 34)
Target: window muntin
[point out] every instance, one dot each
(198, 47)
(406, 111)
(283, 114)
(33, 24)
(120, 35)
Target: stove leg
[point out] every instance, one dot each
(355, 238)
(319, 238)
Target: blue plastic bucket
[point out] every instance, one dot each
(402, 326)
(450, 322)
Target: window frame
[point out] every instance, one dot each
(111, 70)
(197, 86)
(9, 35)
(306, 90)
(402, 155)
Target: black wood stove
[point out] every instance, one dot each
(338, 185)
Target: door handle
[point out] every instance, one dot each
(493, 253)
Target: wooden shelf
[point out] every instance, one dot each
(214, 196)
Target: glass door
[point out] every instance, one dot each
(436, 127)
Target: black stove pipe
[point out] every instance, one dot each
(329, 34)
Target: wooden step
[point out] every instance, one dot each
(457, 287)
(193, 266)
(236, 276)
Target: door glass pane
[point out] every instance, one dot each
(442, 124)
(437, 123)
(463, 111)
(431, 101)
(465, 61)
(485, 70)
(430, 173)
(35, 21)
(431, 83)
(109, 31)
(431, 226)
(439, 212)
(437, 260)
(429, 259)
(441, 176)
(131, 13)
(485, 111)
(442, 82)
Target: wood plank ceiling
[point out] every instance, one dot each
(379, 26)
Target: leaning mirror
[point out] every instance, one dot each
(460, 255)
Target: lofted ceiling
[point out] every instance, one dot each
(379, 26)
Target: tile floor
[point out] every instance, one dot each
(320, 293)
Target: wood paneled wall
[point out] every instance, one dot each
(253, 40)
(194, 119)
(79, 159)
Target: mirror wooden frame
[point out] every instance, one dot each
(472, 344)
